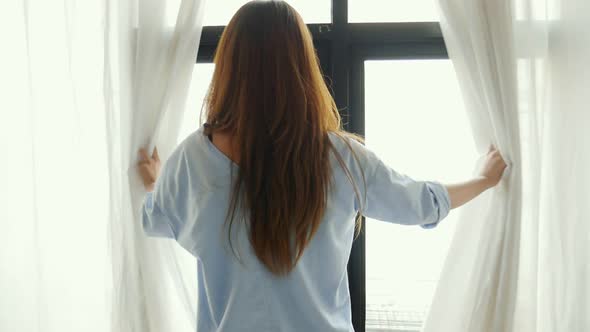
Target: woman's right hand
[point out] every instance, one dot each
(149, 168)
(493, 167)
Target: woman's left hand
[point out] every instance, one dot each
(149, 168)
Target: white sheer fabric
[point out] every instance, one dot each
(84, 84)
(520, 257)
(148, 70)
(54, 260)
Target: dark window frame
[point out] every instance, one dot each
(343, 48)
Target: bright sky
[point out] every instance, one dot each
(415, 121)
(219, 12)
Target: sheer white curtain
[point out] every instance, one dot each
(54, 265)
(84, 84)
(149, 63)
(520, 258)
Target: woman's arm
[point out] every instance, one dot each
(489, 176)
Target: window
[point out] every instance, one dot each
(392, 11)
(393, 84)
(202, 74)
(312, 11)
(408, 106)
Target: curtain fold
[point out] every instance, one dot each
(54, 265)
(84, 84)
(148, 67)
(519, 260)
(484, 250)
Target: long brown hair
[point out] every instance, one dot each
(269, 93)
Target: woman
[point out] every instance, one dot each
(265, 193)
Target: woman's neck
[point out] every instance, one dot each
(222, 142)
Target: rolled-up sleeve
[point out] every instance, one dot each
(441, 200)
(397, 198)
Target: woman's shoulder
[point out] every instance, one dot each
(197, 154)
(352, 149)
(194, 164)
(346, 142)
(193, 139)
(188, 151)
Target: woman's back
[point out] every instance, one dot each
(237, 292)
(272, 236)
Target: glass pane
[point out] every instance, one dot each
(312, 11)
(416, 122)
(392, 11)
(202, 74)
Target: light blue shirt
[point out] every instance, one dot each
(190, 202)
